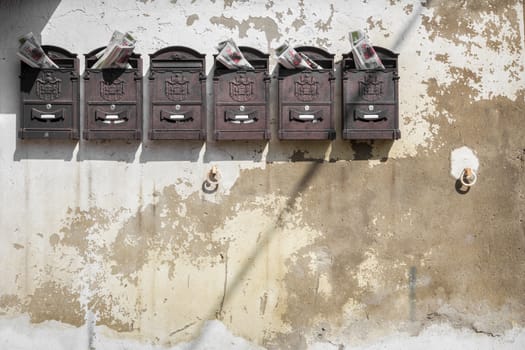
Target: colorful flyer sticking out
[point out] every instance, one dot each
(117, 53)
(31, 53)
(231, 57)
(364, 54)
(291, 59)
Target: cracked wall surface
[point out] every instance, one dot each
(305, 245)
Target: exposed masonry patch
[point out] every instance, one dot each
(9, 302)
(379, 24)
(451, 19)
(51, 301)
(264, 24)
(191, 19)
(326, 25)
(299, 21)
(480, 32)
(408, 9)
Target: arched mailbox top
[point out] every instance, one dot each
(387, 57)
(134, 58)
(177, 53)
(60, 56)
(385, 53)
(56, 52)
(177, 57)
(253, 54)
(316, 54)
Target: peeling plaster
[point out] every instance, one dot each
(265, 24)
(191, 19)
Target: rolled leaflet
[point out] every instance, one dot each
(364, 54)
(231, 57)
(117, 53)
(289, 58)
(32, 53)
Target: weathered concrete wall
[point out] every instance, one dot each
(318, 245)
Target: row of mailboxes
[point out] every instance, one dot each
(177, 90)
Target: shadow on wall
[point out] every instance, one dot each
(17, 18)
(114, 150)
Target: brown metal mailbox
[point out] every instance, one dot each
(50, 98)
(241, 99)
(370, 99)
(177, 85)
(113, 100)
(306, 98)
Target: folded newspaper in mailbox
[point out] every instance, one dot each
(364, 54)
(117, 53)
(289, 58)
(231, 57)
(31, 53)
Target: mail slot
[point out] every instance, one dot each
(241, 99)
(306, 98)
(113, 100)
(177, 85)
(370, 99)
(50, 98)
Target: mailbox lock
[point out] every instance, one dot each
(306, 108)
(177, 107)
(241, 108)
(370, 108)
(112, 107)
(48, 106)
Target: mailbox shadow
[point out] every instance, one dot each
(171, 150)
(371, 150)
(112, 74)
(29, 79)
(44, 149)
(329, 151)
(299, 151)
(235, 150)
(111, 150)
